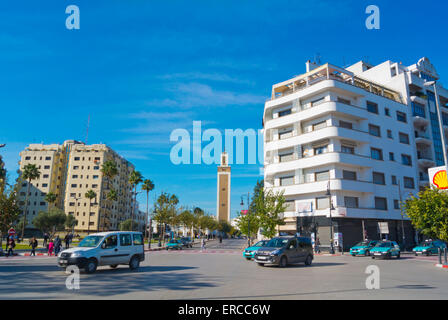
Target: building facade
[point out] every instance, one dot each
(347, 145)
(223, 189)
(69, 171)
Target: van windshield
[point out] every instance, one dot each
(277, 243)
(90, 241)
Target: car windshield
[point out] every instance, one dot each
(426, 244)
(277, 243)
(362, 243)
(259, 244)
(90, 241)
(384, 244)
(173, 241)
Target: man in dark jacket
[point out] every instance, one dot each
(11, 246)
(57, 245)
(33, 244)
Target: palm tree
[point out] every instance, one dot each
(147, 186)
(109, 170)
(112, 195)
(30, 173)
(135, 178)
(51, 198)
(90, 195)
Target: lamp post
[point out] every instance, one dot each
(439, 116)
(331, 220)
(248, 218)
(402, 218)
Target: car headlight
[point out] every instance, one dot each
(424, 250)
(274, 253)
(76, 254)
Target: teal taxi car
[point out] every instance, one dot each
(386, 250)
(249, 252)
(174, 245)
(363, 248)
(429, 247)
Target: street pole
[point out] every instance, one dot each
(331, 220)
(402, 218)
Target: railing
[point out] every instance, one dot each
(307, 181)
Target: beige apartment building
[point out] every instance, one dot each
(70, 170)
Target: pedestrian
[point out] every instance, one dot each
(316, 245)
(203, 244)
(57, 245)
(50, 247)
(67, 241)
(45, 239)
(33, 244)
(11, 246)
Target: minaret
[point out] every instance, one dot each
(223, 189)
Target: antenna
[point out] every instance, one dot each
(87, 133)
(317, 59)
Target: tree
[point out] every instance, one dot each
(90, 195)
(109, 170)
(186, 219)
(242, 222)
(2, 175)
(70, 222)
(165, 209)
(30, 173)
(428, 212)
(51, 198)
(224, 227)
(128, 225)
(50, 221)
(135, 178)
(197, 214)
(9, 210)
(147, 186)
(269, 208)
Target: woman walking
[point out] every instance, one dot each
(11, 246)
(50, 247)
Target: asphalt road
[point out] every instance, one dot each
(222, 273)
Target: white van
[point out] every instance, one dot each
(105, 249)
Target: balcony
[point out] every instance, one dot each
(331, 72)
(425, 161)
(422, 139)
(418, 99)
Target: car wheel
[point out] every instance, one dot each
(367, 253)
(398, 255)
(388, 256)
(353, 255)
(428, 253)
(247, 258)
(261, 264)
(373, 257)
(416, 254)
(309, 260)
(134, 263)
(113, 266)
(91, 266)
(283, 262)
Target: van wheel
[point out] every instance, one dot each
(283, 262)
(134, 263)
(309, 260)
(261, 264)
(91, 266)
(113, 266)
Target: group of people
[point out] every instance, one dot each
(48, 243)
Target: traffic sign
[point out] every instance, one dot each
(244, 212)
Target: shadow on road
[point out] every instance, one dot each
(314, 265)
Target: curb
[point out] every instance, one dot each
(444, 266)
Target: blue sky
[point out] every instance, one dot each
(143, 68)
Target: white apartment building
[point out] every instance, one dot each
(69, 171)
(352, 143)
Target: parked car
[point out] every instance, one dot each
(187, 242)
(249, 252)
(429, 247)
(386, 250)
(282, 251)
(105, 248)
(363, 248)
(174, 244)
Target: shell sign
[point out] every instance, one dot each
(438, 177)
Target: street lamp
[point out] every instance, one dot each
(402, 217)
(331, 220)
(248, 217)
(439, 116)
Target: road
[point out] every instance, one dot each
(222, 273)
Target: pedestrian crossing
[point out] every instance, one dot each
(198, 251)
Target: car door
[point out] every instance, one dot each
(292, 251)
(302, 251)
(109, 250)
(126, 248)
(395, 248)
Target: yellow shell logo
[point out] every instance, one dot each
(440, 180)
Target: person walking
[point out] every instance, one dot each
(11, 246)
(67, 241)
(203, 244)
(45, 239)
(33, 244)
(316, 245)
(50, 247)
(57, 245)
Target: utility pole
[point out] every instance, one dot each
(402, 218)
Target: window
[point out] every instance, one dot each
(387, 112)
(345, 124)
(47, 167)
(372, 107)
(75, 167)
(344, 101)
(351, 202)
(409, 183)
(44, 185)
(389, 134)
(290, 205)
(75, 176)
(138, 239)
(320, 150)
(391, 156)
(292, 244)
(401, 116)
(125, 240)
(285, 134)
(317, 101)
(347, 149)
(322, 203)
(45, 176)
(396, 204)
(348, 175)
(74, 185)
(394, 180)
(28, 158)
(374, 130)
(47, 158)
(286, 157)
(319, 125)
(378, 178)
(42, 203)
(380, 203)
(406, 160)
(287, 181)
(95, 177)
(110, 242)
(403, 137)
(284, 113)
(96, 168)
(393, 71)
(322, 176)
(76, 158)
(376, 153)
